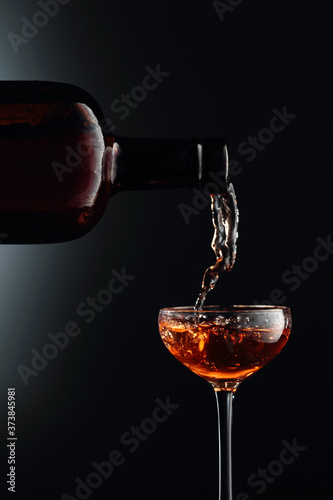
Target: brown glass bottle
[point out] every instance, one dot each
(58, 170)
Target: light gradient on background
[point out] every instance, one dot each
(225, 79)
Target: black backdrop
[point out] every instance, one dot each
(230, 67)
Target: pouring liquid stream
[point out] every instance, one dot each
(224, 242)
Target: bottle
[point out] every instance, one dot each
(58, 171)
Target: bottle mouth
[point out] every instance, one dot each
(212, 164)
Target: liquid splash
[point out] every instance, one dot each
(225, 221)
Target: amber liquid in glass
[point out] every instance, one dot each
(221, 353)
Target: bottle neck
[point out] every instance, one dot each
(137, 163)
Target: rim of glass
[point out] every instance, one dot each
(223, 309)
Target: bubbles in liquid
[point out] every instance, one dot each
(225, 222)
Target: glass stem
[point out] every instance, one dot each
(224, 414)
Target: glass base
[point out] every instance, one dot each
(225, 385)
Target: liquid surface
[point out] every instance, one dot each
(221, 352)
(224, 243)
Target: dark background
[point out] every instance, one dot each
(225, 79)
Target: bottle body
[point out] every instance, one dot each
(53, 185)
(58, 171)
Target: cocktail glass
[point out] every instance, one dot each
(225, 345)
